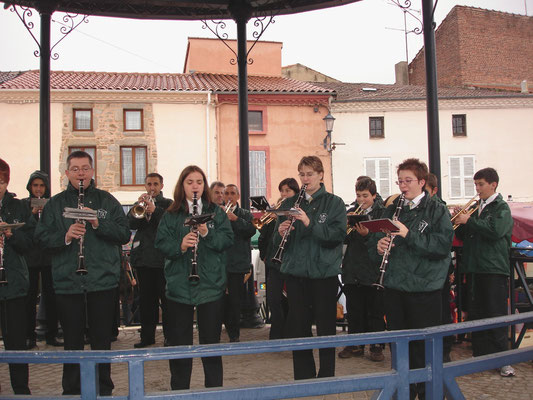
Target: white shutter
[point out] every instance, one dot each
(258, 173)
(468, 174)
(370, 168)
(455, 177)
(462, 177)
(384, 178)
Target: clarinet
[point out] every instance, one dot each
(81, 257)
(385, 260)
(194, 277)
(3, 277)
(279, 254)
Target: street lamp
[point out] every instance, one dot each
(329, 120)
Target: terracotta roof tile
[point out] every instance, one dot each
(6, 76)
(352, 92)
(70, 80)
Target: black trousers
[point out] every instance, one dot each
(232, 306)
(274, 293)
(75, 311)
(489, 299)
(152, 285)
(180, 332)
(365, 308)
(312, 300)
(13, 321)
(49, 299)
(413, 310)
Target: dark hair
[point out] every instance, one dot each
(79, 154)
(362, 177)
(431, 180)
(419, 168)
(180, 201)
(313, 162)
(215, 184)
(291, 183)
(235, 186)
(489, 174)
(4, 171)
(154, 175)
(366, 183)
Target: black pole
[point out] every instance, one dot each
(44, 90)
(241, 12)
(431, 91)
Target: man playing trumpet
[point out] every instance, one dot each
(147, 260)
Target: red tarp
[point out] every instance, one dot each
(523, 221)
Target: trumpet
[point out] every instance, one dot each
(358, 211)
(230, 207)
(267, 217)
(468, 209)
(139, 209)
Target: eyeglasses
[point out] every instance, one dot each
(407, 181)
(308, 174)
(77, 169)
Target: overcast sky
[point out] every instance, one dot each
(358, 42)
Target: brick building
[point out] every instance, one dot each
(480, 48)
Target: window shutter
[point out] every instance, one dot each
(468, 173)
(257, 173)
(370, 168)
(455, 177)
(384, 178)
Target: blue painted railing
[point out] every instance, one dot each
(439, 377)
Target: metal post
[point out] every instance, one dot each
(241, 12)
(431, 91)
(44, 90)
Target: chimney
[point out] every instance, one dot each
(523, 87)
(402, 76)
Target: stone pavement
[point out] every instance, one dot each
(45, 379)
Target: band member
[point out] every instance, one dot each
(486, 235)
(86, 298)
(418, 262)
(268, 242)
(180, 245)
(217, 192)
(39, 266)
(147, 260)
(363, 302)
(14, 277)
(238, 260)
(311, 262)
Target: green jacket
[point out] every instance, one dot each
(210, 255)
(316, 251)
(239, 256)
(101, 246)
(487, 239)
(144, 254)
(419, 262)
(14, 211)
(356, 264)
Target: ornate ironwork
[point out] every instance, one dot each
(67, 26)
(405, 6)
(219, 26)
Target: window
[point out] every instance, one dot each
(462, 176)
(82, 119)
(255, 120)
(133, 120)
(379, 170)
(377, 127)
(459, 125)
(91, 150)
(132, 165)
(258, 180)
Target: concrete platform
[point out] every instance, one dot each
(45, 379)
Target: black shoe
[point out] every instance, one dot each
(54, 342)
(234, 340)
(142, 344)
(31, 344)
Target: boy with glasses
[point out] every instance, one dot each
(418, 262)
(86, 298)
(486, 236)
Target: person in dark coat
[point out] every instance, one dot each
(177, 242)
(238, 260)
(84, 299)
(14, 280)
(147, 260)
(40, 266)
